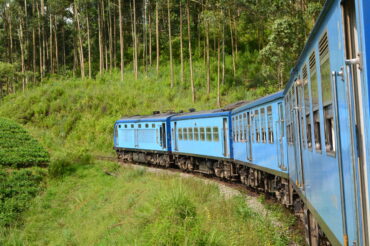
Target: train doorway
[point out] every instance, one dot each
(280, 137)
(226, 136)
(354, 92)
(249, 138)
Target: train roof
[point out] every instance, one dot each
(263, 100)
(309, 42)
(146, 118)
(209, 113)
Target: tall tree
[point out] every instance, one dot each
(190, 51)
(121, 38)
(170, 41)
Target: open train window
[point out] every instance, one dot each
(153, 125)
(216, 136)
(132, 125)
(251, 130)
(245, 127)
(202, 134)
(190, 133)
(125, 126)
(316, 118)
(209, 133)
(307, 108)
(196, 133)
(257, 125)
(179, 133)
(139, 126)
(146, 125)
(315, 101)
(234, 128)
(185, 133)
(263, 125)
(327, 97)
(270, 128)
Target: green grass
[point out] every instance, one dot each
(79, 114)
(18, 148)
(135, 207)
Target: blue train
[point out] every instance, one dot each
(307, 145)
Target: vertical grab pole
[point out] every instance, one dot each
(340, 162)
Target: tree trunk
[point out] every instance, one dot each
(56, 45)
(21, 44)
(232, 45)
(190, 52)
(121, 40)
(181, 46)
(208, 69)
(150, 36)
(223, 53)
(110, 30)
(135, 41)
(81, 51)
(218, 73)
(51, 44)
(170, 41)
(157, 34)
(101, 54)
(40, 41)
(89, 45)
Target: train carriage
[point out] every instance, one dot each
(327, 107)
(145, 139)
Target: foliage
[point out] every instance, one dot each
(77, 115)
(93, 208)
(17, 188)
(17, 148)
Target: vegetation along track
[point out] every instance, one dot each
(261, 203)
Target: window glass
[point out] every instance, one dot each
(202, 134)
(257, 125)
(241, 127)
(237, 128)
(307, 107)
(263, 125)
(314, 83)
(132, 125)
(316, 118)
(209, 133)
(180, 133)
(245, 127)
(153, 125)
(216, 136)
(190, 133)
(196, 133)
(185, 133)
(270, 125)
(139, 125)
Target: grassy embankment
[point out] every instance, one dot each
(82, 205)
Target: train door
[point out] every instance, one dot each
(136, 138)
(280, 137)
(175, 136)
(354, 92)
(297, 108)
(249, 138)
(163, 137)
(225, 136)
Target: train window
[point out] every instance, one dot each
(281, 119)
(185, 133)
(316, 118)
(146, 125)
(139, 126)
(241, 128)
(263, 124)
(209, 133)
(238, 128)
(314, 83)
(202, 134)
(257, 125)
(190, 133)
(327, 97)
(132, 125)
(125, 126)
(196, 133)
(119, 126)
(251, 130)
(179, 133)
(270, 125)
(329, 130)
(216, 136)
(234, 128)
(245, 128)
(307, 107)
(153, 125)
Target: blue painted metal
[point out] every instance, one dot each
(143, 132)
(264, 154)
(213, 147)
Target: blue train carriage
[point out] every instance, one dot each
(202, 141)
(259, 145)
(144, 139)
(327, 114)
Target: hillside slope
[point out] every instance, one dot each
(74, 114)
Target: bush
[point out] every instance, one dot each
(17, 188)
(67, 163)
